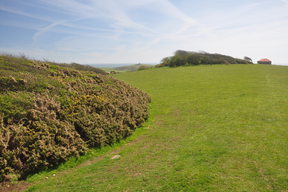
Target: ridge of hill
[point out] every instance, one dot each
(50, 112)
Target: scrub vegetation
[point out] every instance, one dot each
(50, 112)
(186, 58)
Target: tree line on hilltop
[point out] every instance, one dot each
(182, 58)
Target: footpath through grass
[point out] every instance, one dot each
(214, 128)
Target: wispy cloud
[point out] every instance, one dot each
(22, 13)
(120, 21)
(165, 7)
(72, 7)
(45, 29)
(102, 31)
(110, 9)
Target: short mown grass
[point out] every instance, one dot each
(213, 128)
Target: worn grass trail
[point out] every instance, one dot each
(213, 128)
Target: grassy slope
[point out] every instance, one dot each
(215, 128)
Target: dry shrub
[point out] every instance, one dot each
(82, 110)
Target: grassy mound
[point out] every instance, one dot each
(50, 112)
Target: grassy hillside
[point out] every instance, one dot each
(50, 112)
(214, 128)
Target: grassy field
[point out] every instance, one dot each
(212, 128)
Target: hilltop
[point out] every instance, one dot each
(50, 112)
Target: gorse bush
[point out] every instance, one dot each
(182, 58)
(82, 67)
(50, 112)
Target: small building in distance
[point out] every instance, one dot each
(265, 61)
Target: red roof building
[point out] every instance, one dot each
(264, 61)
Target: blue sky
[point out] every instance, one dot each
(145, 31)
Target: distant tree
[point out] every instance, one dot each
(248, 59)
(181, 53)
(165, 61)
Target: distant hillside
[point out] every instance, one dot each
(50, 112)
(135, 67)
(182, 58)
(109, 65)
(82, 67)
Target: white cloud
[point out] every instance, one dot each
(239, 30)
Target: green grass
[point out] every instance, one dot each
(213, 128)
